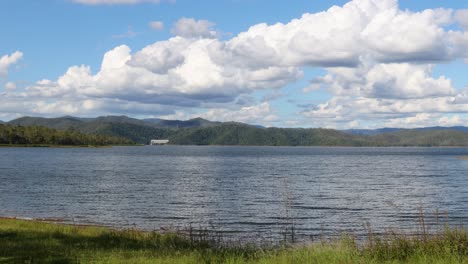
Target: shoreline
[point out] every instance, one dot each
(183, 145)
(431, 229)
(318, 146)
(29, 241)
(62, 146)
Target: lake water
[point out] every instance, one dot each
(244, 192)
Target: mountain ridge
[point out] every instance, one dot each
(198, 122)
(199, 131)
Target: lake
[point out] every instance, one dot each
(242, 192)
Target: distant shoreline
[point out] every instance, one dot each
(194, 145)
(63, 146)
(50, 146)
(122, 129)
(317, 146)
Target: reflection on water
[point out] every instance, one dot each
(242, 191)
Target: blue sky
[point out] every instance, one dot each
(328, 69)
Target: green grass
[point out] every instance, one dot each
(24, 241)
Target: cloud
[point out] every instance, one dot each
(378, 59)
(342, 36)
(156, 25)
(345, 109)
(14, 105)
(191, 28)
(384, 80)
(461, 17)
(179, 72)
(161, 56)
(318, 83)
(262, 114)
(7, 60)
(462, 97)
(460, 43)
(276, 94)
(10, 86)
(114, 2)
(403, 36)
(426, 120)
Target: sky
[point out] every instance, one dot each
(301, 63)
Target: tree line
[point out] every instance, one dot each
(239, 134)
(37, 135)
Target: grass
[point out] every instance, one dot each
(23, 241)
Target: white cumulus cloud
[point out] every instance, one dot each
(7, 61)
(191, 28)
(177, 72)
(341, 36)
(385, 80)
(262, 114)
(462, 18)
(378, 58)
(426, 120)
(10, 86)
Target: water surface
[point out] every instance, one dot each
(243, 192)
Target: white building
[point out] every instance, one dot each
(159, 141)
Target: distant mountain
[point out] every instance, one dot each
(371, 131)
(115, 119)
(456, 128)
(421, 137)
(390, 130)
(141, 131)
(199, 131)
(70, 121)
(61, 123)
(117, 126)
(242, 134)
(43, 136)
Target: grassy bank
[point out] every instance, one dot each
(37, 242)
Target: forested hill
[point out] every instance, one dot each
(35, 135)
(140, 131)
(203, 132)
(239, 134)
(416, 137)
